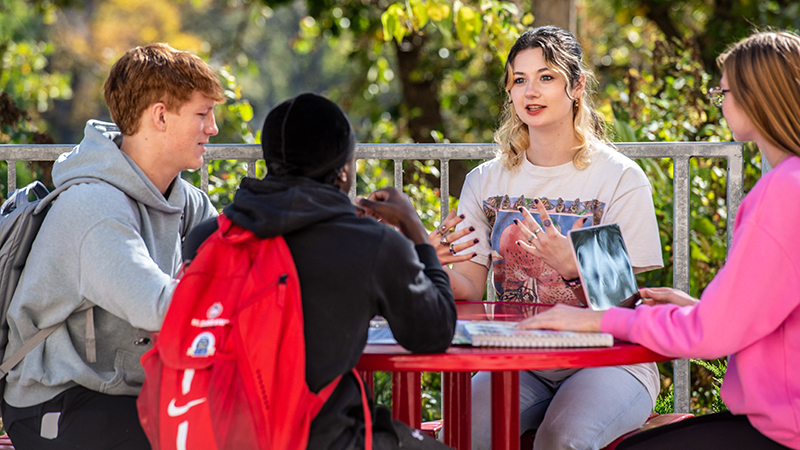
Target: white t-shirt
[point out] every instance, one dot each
(612, 189)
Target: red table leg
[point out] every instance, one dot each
(407, 398)
(369, 381)
(505, 410)
(457, 409)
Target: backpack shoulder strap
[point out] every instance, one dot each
(325, 393)
(26, 348)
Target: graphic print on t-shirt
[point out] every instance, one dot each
(518, 275)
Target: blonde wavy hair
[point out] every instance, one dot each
(562, 53)
(763, 73)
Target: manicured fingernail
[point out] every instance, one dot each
(536, 200)
(474, 255)
(516, 222)
(519, 243)
(462, 216)
(471, 228)
(521, 209)
(475, 241)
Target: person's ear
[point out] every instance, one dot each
(580, 87)
(156, 113)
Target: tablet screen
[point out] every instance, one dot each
(604, 265)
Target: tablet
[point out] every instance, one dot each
(604, 266)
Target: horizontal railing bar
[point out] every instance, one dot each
(408, 151)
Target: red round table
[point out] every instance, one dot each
(458, 362)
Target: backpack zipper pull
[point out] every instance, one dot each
(282, 289)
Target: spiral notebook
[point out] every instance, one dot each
(506, 334)
(501, 334)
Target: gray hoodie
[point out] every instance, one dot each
(113, 244)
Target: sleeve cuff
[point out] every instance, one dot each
(618, 321)
(427, 255)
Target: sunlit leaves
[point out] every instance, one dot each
(393, 21)
(437, 11)
(495, 21)
(118, 25)
(468, 25)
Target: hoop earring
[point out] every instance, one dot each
(575, 106)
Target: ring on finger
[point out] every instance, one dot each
(444, 241)
(547, 223)
(537, 231)
(452, 250)
(443, 230)
(531, 238)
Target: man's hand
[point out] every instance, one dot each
(391, 206)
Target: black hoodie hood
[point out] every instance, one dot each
(280, 205)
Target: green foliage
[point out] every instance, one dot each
(665, 403)
(28, 85)
(495, 21)
(431, 393)
(431, 396)
(25, 75)
(383, 389)
(712, 398)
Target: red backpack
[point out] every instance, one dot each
(227, 370)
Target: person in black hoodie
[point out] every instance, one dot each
(351, 266)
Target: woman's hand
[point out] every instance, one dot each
(665, 295)
(546, 242)
(562, 317)
(443, 241)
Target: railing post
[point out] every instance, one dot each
(12, 176)
(398, 173)
(444, 187)
(680, 260)
(204, 176)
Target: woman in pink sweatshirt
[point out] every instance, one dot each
(751, 310)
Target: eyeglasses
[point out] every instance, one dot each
(717, 95)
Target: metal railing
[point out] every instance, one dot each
(680, 153)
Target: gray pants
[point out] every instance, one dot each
(585, 411)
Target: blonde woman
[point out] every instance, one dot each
(751, 309)
(554, 171)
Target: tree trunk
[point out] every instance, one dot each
(420, 91)
(561, 13)
(421, 101)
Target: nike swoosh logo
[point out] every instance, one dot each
(175, 411)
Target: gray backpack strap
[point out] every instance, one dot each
(26, 348)
(91, 340)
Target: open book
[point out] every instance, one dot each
(501, 334)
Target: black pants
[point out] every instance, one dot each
(88, 420)
(720, 431)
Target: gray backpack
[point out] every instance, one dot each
(20, 220)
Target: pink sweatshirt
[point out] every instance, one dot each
(750, 311)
